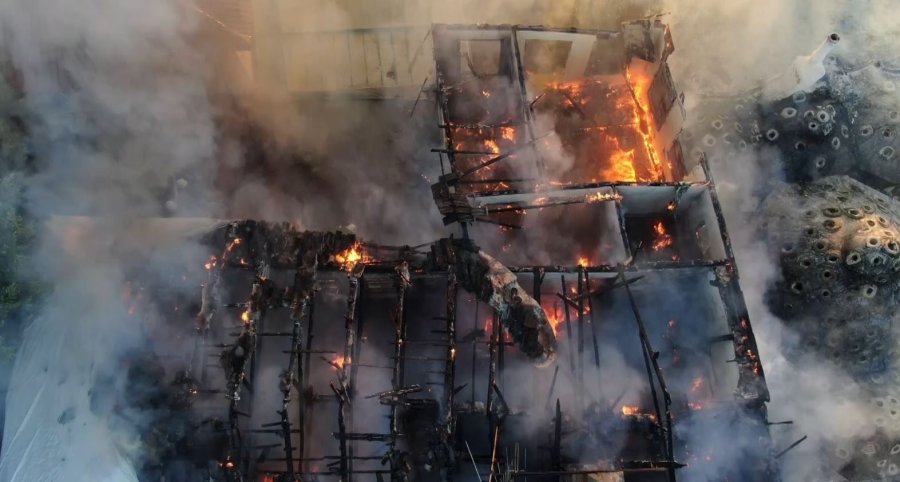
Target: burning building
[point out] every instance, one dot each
(587, 322)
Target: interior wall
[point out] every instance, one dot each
(338, 45)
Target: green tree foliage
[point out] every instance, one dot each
(19, 294)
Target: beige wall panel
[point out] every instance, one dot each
(373, 60)
(387, 56)
(357, 60)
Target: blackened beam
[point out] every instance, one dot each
(501, 352)
(717, 208)
(562, 280)
(492, 181)
(492, 372)
(651, 359)
(450, 367)
(369, 437)
(476, 321)
(526, 207)
(402, 280)
(556, 450)
(500, 157)
(606, 289)
(594, 331)
(791, 446)
(463, 152)
(523, 99)
(480, 126)
(581, 290)
(360, 310)
(552, 386)
(304, 370)
(342, 431)
(632, 267)
(418, 97)
(345, 372)
(496, 441)
(286, 385)
(643, 466)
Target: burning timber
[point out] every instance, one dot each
(340, 358)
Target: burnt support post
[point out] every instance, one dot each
(286, 385)
(581, 291)
(346, 456)
(593, 320)
(450, 366)
(474, 352)
(556, 448)
(303, 375)
(347, 382)
(492, 368)
(402, 282)
(651, 360)
(562, 279)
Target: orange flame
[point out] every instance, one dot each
(338, 361)
(622, 168)
(211, 263)
(600, 196)
(663, 238)
(630, 410)
(641, 116)
(245, 316)
(349, 258)
(584, 261)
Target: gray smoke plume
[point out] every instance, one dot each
(118, 107)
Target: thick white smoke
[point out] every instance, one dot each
(117, 110)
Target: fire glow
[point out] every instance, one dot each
(662, 239)
(349, 258)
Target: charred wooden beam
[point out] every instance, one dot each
(581, 290)
(594, 331)
(651, 360)
(556, 449)
(450, 367)
(500, 157)
(552, 387)
(344, 460)
(401, 282)
(562, 280)
(493, 283)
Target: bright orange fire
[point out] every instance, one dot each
(338, 361)
(553, 316)
(663, 238)
(630, 410)
(349, 258)
(641, 117)
(211, 263)
(622, 164)
(245, 316)
(584, 261)
(600, 196)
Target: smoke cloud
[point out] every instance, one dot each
(125, 123)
